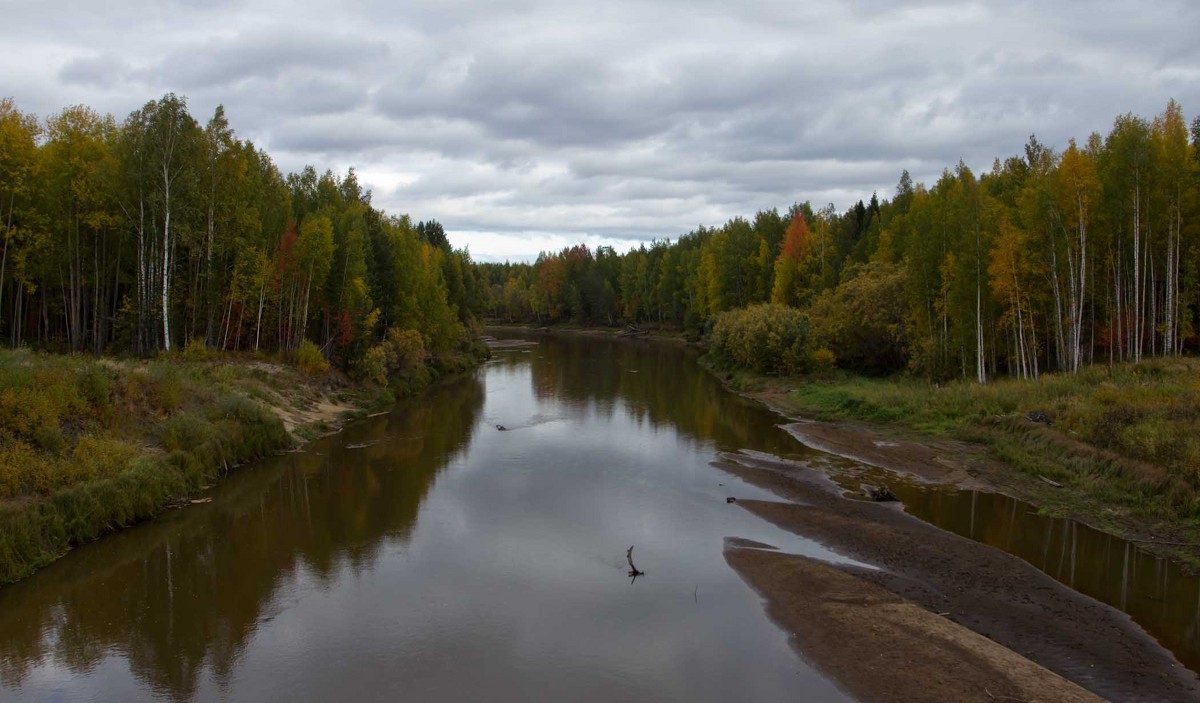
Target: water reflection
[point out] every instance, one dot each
(658, 384)
(1156, 592)
(188, 591)
(427, 555)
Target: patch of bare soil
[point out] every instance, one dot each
(323, 412)
(944, 462)
(988, 591)
(881, 647)
(303, 404)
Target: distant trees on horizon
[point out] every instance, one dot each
(1052, 260)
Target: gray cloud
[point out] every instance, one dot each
(623, 120)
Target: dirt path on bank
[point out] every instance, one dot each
(983, 589)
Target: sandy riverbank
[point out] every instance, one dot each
(881, 647)
(973, 586)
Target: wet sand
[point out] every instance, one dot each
(946, 462)
(983, 589)
(881, 647)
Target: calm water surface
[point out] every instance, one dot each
(445, 560)
(426, 555)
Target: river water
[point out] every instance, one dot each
(444, 560)
(427, 555)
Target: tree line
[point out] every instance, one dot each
(141, 235)
(1054, 259)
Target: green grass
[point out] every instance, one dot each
(91, 445)
(1124, 440)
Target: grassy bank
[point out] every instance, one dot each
(90, 445)
(1124, 441)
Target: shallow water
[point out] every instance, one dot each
(1155, 592)
(445, 560)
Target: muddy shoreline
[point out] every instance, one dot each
(881, 647)
(983, 589)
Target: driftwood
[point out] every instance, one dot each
(882, 494)
(632, 331)
(502, 428)
(1056, 484)
(633, 570)
(1041, 418)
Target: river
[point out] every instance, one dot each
(428, 554)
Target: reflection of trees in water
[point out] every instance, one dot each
(1154, 591)
(190, 589)
(656, 382)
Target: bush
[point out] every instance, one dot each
(763, 338)
(184, 431)
(862, 321)
(94, 383)
(96, 458)
(196, 350)
(308, 358)
(21, 468)
(164, 387)
(400, 356)
(824, 359)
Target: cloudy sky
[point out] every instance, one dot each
(529, 125)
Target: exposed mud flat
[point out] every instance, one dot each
(945, 462)
(981, 588)
(881, 647)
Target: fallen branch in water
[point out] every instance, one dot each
(633, 570)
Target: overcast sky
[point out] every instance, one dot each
(529, 125)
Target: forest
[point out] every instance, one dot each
(156, 233)
(1055, 259)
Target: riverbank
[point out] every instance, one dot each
(965, 583)
(881, 647)
(91, 445)
(621, 332)
(1113, 447)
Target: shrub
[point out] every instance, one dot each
(374, 364)
(34, 402)
(196, 350)
(308, 358)
(164, 387)
(824, 359)
(399, 356)
(96, 458)
(21, 468)
(862, 321)
(184, 431)
(764, 338)
(94, 383)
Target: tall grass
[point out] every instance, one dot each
(1127, 436)
(87, 446)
